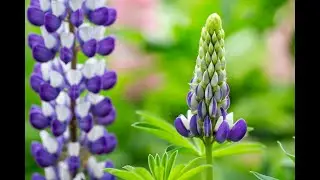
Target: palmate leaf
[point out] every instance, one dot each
(170, 163)
(152, 164)
(194, 171)
(139, 171)
(123, 174)
(175, 173)
(291, 156)
(263, 177)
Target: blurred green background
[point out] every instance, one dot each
(157, 44)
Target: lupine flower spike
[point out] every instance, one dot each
(208, 98)
(73, 115)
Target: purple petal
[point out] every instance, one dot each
(57, 45)
(37, 119)
(108, 80)
(98, 146)
(182, 130)
(213, 107)
(106, 46)
(74, 92)
(86, 123)
(109, 164)
(99, 16)
(37, 68)
(77, 17)
(102, 108)
(189, 98)
(223, 113)
(112, 16)
(89, 47)
(238, 131)
(108, 119)
(73, 164)
(35, 16)
(111, 143)
(51, 22)
(108, 176)
(41, 53)
(47, 92)
(222, 132)
(58, 127)
(42, 157)
(94, 84)
(36, 81)
(194, 125)
(35, 39)
(66, 55)
(37, 176)
(202, 110)
(35, 3)
(207, 127)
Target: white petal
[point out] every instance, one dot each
(85, 32)
(63, 171)
(82, 109)
(74, 76)
(230, 119)
(218, 123)
(58, 8)
(92, 161)
(47, 109)
(49, 40)
(98, 171)
(63, 112)
(75, 4)
(94, 4)
(100, 68)
(63, 98)
(45, 70)
(44, 5)
(88, 69)
(189, 115)
(98, 32)
(74, 149)
(185, 121)
(66, 134)
(49, 142)
(56, 79)
(94, 98)
(80, 176)
(62, 28)
(50, 173)
(95, 133)
(67, 39)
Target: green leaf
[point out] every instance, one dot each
(194, 171)
(176, 172)
(170, 164)
(140, 171)
(263, 177)
(157, 158)
(237, 148)
(126, 175)
(164, 162)
(175, 138)
(159, 171)
(152, 119)
(292, 157)
(192, 163)
(152, 164)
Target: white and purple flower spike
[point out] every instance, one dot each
(182, 125)
(74, 78)
(59, 125)
(67, 43)
(73, 160)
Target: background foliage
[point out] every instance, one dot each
(170, 49)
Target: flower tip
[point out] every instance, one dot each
(213, 22)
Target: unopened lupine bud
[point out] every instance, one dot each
(208, 98)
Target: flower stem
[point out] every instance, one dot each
(73, 123)
(208, 148)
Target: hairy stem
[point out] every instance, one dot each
(208, 148)
(73, 123)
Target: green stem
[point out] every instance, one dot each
(208, 147)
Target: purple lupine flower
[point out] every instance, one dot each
(61, 83)
(208, 98)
